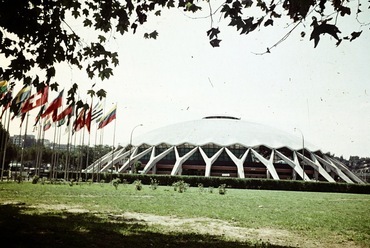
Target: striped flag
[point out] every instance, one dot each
(97, 112)
(64, 113)
(108, 118)
(53, 106)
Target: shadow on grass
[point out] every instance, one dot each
(56, 230)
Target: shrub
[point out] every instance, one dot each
(180, 186)
(35, 179)
(138, 185)
(200, 187)
(153, 183)
(115, 182)
(210, 189)
(249, 183)
(71, 182)
(124, 182)
(222, 189)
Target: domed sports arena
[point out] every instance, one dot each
(224, 146)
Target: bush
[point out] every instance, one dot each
(222, 189)
(35, 179)
(71, 182)
(180, 186)
(200, 187)
(210, 189)
(153, 183)
(115, 182)
(138, 185)
(249, 183)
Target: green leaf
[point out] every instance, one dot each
(87, 23)
(54, 86)
(91, 93)
(152, 35)
(101, 38)
(101, 93)
(215, 42)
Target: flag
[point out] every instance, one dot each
(38, 116)
(88, 119)
(53, 106)
(23, 115)
(64, 113)
(6, 101)
(110, 116)
(36, 100)
(3, 87)
(97, 112)
(47, 124)
(80, 121)
(70, 115)
(61, 122)
(44, 95)
(21, 96)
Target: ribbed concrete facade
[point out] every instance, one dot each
(225, 147)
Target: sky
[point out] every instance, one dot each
(324, 92)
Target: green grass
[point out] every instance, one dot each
(320, 217)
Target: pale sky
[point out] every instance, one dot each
(324, 92)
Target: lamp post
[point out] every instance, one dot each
(129, 158)
(302, 151)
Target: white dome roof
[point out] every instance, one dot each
(223, 131)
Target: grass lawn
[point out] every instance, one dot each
(98, 215)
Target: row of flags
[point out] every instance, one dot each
(49, 113)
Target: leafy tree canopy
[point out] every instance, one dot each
(36, 33)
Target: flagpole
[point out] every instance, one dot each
(57, 154)
(52, 156)
(101, 143)
(88, 141)
(96, 134)
(114, 138)
(74, 160)
(5, 145)
(23, 145)
(38, 146)
(42, 134)
(81, 158)
(66, 175)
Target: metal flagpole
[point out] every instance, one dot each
(52, 156)
(23, 145)
(42, 135)
(114, 138)
(66, 169)
(5, 145)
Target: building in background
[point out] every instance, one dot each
(225, 147)
(19, 139)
